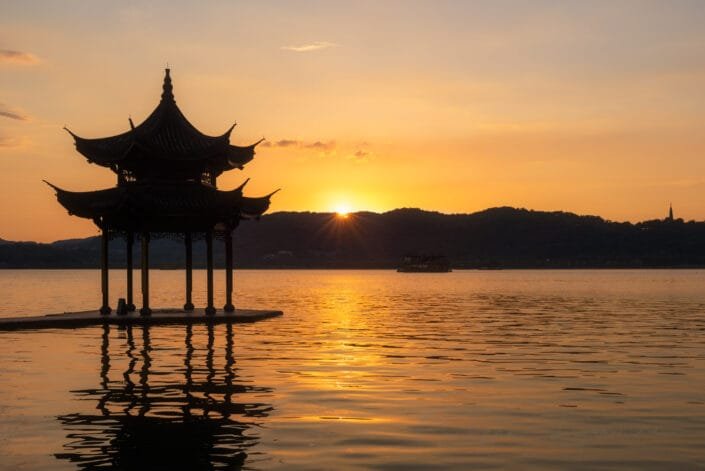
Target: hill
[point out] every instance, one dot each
(493, 238)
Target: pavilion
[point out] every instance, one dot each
(167, 173)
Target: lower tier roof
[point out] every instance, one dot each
(162, 207)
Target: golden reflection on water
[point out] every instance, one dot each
(371, 369)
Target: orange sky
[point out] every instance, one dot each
(595, 108)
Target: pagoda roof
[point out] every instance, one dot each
(164, 207)
(166, 135)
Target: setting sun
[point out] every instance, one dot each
(342, 211)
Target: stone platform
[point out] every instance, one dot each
(70, 320)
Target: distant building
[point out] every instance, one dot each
(425, 264)
(670, 212)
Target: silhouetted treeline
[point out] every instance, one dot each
(494, 238)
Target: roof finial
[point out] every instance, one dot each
(168, 93)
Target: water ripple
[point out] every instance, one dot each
(506, 369)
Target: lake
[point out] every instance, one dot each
(564, 369)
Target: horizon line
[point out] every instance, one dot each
(409, 208)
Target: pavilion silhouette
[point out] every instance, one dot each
(167, 173)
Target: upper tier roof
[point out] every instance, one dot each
(165, 137)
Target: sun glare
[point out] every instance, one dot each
(342, 211)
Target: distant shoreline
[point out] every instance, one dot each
(497, 238)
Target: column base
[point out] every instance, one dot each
(105, 310)
(188, 307)
(229, 308)
(210, 311)
(145, 311)
(131, 307)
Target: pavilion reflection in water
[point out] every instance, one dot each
(196, 416)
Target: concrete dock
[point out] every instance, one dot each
(70, 320)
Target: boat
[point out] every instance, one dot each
(425, 264)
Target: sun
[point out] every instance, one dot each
(342, 211)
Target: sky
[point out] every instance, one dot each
(590, 107)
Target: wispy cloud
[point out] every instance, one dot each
(12, 114)
(325, 146)
(361, 156)
(8, 56)
(358, 154)
(314, 46)
(320, 145)
(286, 143)
(10, 141)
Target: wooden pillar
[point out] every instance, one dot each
(210, 309)
(130, 299)
(145, 311)
(229, 272)
(105, 308)
(189, 271)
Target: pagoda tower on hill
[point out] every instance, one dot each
(167, 173)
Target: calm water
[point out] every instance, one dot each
(367, 369)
